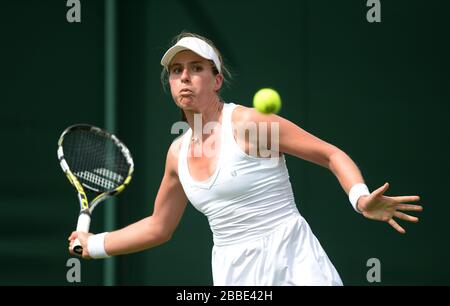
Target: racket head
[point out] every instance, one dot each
(96, 160)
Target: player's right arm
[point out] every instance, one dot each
(158, 228)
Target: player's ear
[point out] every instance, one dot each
(219, 82)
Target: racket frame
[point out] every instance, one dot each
(86, 207)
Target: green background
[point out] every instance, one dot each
(379, 91)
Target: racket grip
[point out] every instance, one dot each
(83, 224)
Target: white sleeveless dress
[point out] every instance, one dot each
(259, 236)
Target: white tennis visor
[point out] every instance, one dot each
(194, 44)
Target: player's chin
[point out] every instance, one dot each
(185, 102)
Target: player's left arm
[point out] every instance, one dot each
(295, 141)
(283, 136)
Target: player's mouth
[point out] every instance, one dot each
(186, 92)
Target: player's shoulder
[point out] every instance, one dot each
(242, 113)
(174, 148)
(176, 144)
(245, 114)
(172, 155)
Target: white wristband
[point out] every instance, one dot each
(96, 246)
(357, 191)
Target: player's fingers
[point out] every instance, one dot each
(396, 226)
(71, 251)
(409, 207)
(401, 199)
(406, 217)
(85, 254)
(381, 190)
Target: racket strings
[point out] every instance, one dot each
(96, 160)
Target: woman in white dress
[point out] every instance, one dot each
(230, 165)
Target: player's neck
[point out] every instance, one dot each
(207, 117)
(210, 113)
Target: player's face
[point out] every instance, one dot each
(192, 81)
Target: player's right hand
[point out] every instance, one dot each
(83, 238)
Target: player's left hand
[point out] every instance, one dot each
(378, 206)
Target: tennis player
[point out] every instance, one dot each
(241, 184)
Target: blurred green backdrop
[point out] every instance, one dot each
(379, 91)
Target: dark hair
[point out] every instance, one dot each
(225, 72)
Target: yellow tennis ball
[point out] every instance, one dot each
(267, 101)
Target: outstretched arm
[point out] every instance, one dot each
(295, 141)
(154, 230)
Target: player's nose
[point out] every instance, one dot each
(185, 76)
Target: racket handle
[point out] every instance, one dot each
(83, 224)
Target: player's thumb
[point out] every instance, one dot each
(73, 236)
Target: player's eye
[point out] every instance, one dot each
(175, 70)
(197, 68)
